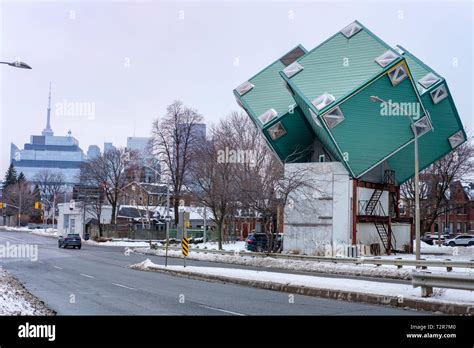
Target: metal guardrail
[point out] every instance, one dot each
(377, 261)
(427, 281)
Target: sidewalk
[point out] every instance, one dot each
(448, 301)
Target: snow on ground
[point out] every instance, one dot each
(16, 229)
(16, 300)
(457, 253)
(231, 246)
(122, 243)
(48, 232)
(246, 259)
(361, 286)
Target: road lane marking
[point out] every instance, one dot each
(222, 310)
(41, 262)
(123, 286)
(57, 267)
(86, 275)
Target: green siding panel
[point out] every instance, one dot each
(295, 145)
(321, 134)
(431, 146)
(324, 69)
(367, 135)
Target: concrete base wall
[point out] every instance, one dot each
(317, 214)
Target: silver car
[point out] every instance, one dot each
(463, 240)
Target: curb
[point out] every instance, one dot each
(351, 296)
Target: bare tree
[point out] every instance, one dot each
(20, 197)
(263, 185)
(436, 181)
(50, 185)
(214, 176)
(109, 172)
(175, 138)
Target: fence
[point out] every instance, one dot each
(427, 281)
(377, 261)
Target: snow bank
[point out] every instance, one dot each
(122, 243)
(49, 232)
(362, 286)
(246, 259)
(16, 300)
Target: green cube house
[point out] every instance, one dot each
(350, 99)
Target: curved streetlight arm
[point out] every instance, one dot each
(17, 64)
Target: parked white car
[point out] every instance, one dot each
(462, 240)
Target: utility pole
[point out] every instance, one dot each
(19, 207)
(167, 217)
(205, 225)
(417, 194)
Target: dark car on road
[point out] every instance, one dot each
(70, 240)
(258, 242)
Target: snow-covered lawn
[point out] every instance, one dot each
(16, 300)
(48, 232)
(231, 246)
(361, 286)
(246, 259)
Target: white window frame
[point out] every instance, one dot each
(439, 94)
(267, 116)
(456, 139)
(277, 136)
(351, 30)
(244, 88)
(292, 69)
(429, 80)
(386, 58)
(334, 117)
(423, 120)
(397, 74)
(323, 100)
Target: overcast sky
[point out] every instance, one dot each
(127, 60)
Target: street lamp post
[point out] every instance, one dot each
(376, 99)
(17, 64)
(167, 216)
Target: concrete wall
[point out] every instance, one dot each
(319, 213)
(367, 234)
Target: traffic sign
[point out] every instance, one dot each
(185, 246)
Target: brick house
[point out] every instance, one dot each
(459, 217)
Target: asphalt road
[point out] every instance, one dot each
(97, 280)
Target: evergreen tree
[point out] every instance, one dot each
(10, 176)
(21, 178)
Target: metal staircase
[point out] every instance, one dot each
(372, 203)
(383, 232)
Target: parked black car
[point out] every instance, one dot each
(430, 238)
(70, 240)
(258, 242)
